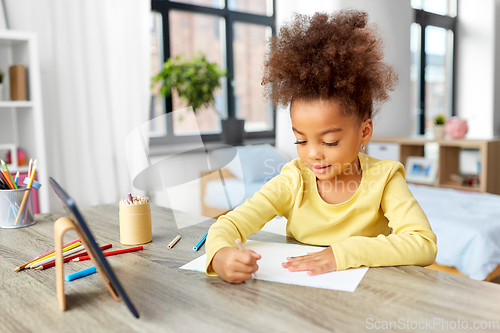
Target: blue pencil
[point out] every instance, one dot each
(200, 243)
(79, 274)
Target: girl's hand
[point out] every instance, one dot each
(235, 266)
(315, 263)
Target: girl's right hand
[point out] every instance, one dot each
(235, 266)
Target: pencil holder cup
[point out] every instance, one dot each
(135, 224)
(13, 210)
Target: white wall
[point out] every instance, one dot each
(394, 18)
(475, 91)
(284, 13)
(2, 17)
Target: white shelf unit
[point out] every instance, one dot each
(22, 121)
(448, 157)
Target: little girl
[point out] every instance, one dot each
(329, 69)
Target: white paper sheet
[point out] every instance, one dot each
(270, 269)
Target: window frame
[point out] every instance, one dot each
(163, 7)
(424, 19)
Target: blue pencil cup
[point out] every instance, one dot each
(11, 210)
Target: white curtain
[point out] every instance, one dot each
(96, 69)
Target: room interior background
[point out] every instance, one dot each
(95, 73)
(95, 63)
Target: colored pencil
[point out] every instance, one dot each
(29, 168)
(67, 248)
(52, 251)
(11, 180)
(43, 256)
(53, 258)
(200, 242)
(172, 243)
(4, 180)
(4, 175)
(240, 245)
(52, 264)
(17, 178)
(25, 197)
(242, 248)
(111, 253)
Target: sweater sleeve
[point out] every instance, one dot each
(274, 198)
(411, 242)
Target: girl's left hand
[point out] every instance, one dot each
(315, 263)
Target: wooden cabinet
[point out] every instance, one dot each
(447, 159)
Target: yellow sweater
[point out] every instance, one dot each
(380, 225)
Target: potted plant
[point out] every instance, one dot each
(1, 84)
(195, 81)
(438, 127)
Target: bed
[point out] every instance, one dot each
(467, 224)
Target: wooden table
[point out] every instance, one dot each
(173, 300)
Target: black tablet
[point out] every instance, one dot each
(84, 231)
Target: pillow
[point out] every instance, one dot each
(254, 163)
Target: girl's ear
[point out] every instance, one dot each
(366, 131)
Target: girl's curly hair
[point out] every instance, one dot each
(329, 57)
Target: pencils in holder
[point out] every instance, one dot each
(23, 203)
(8, 175)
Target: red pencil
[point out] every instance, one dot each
(52, 264)
(111, 253)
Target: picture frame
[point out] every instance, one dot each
(421, 170)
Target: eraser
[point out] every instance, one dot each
(35, 184)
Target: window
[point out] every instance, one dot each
(232, 33)
(433, 65)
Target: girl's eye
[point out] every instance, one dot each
(331, 144)
(300, 142)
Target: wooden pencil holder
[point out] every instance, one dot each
(135, 224)
(61, 226)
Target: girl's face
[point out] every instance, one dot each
(328, 142)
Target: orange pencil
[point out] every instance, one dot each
(23, 203)
(111, 253)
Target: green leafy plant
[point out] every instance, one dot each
(439, 119)
(195, 79)
(1, 76)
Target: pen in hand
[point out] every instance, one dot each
(242, 248)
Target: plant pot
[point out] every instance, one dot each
(233, 131)
(438, 132)
(1, 91)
